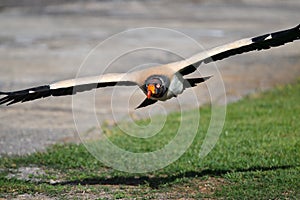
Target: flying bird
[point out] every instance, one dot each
(159, 83)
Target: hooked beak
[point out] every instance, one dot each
(150, 90)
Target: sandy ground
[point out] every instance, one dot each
(44, 44)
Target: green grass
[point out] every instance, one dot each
(257, 157)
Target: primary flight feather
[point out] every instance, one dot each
(159, 83)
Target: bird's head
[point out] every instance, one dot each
(156, 86)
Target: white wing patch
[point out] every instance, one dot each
(113, 77)
(269, 37)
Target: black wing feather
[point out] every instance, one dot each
(24, 95)
(146, 102)
(45, 91)
(261, 42)
(192, 82)
(258, 43)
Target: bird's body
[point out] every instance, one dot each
(159, 83)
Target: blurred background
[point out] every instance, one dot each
(46, 41)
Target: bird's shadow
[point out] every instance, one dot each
(156, 181)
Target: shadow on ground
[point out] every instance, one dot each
(155, 182)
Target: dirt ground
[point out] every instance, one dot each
(42, 44)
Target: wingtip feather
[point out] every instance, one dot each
(24, 95)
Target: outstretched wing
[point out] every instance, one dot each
(67, 87)
(245, 45)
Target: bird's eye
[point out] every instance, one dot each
(157, 85)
